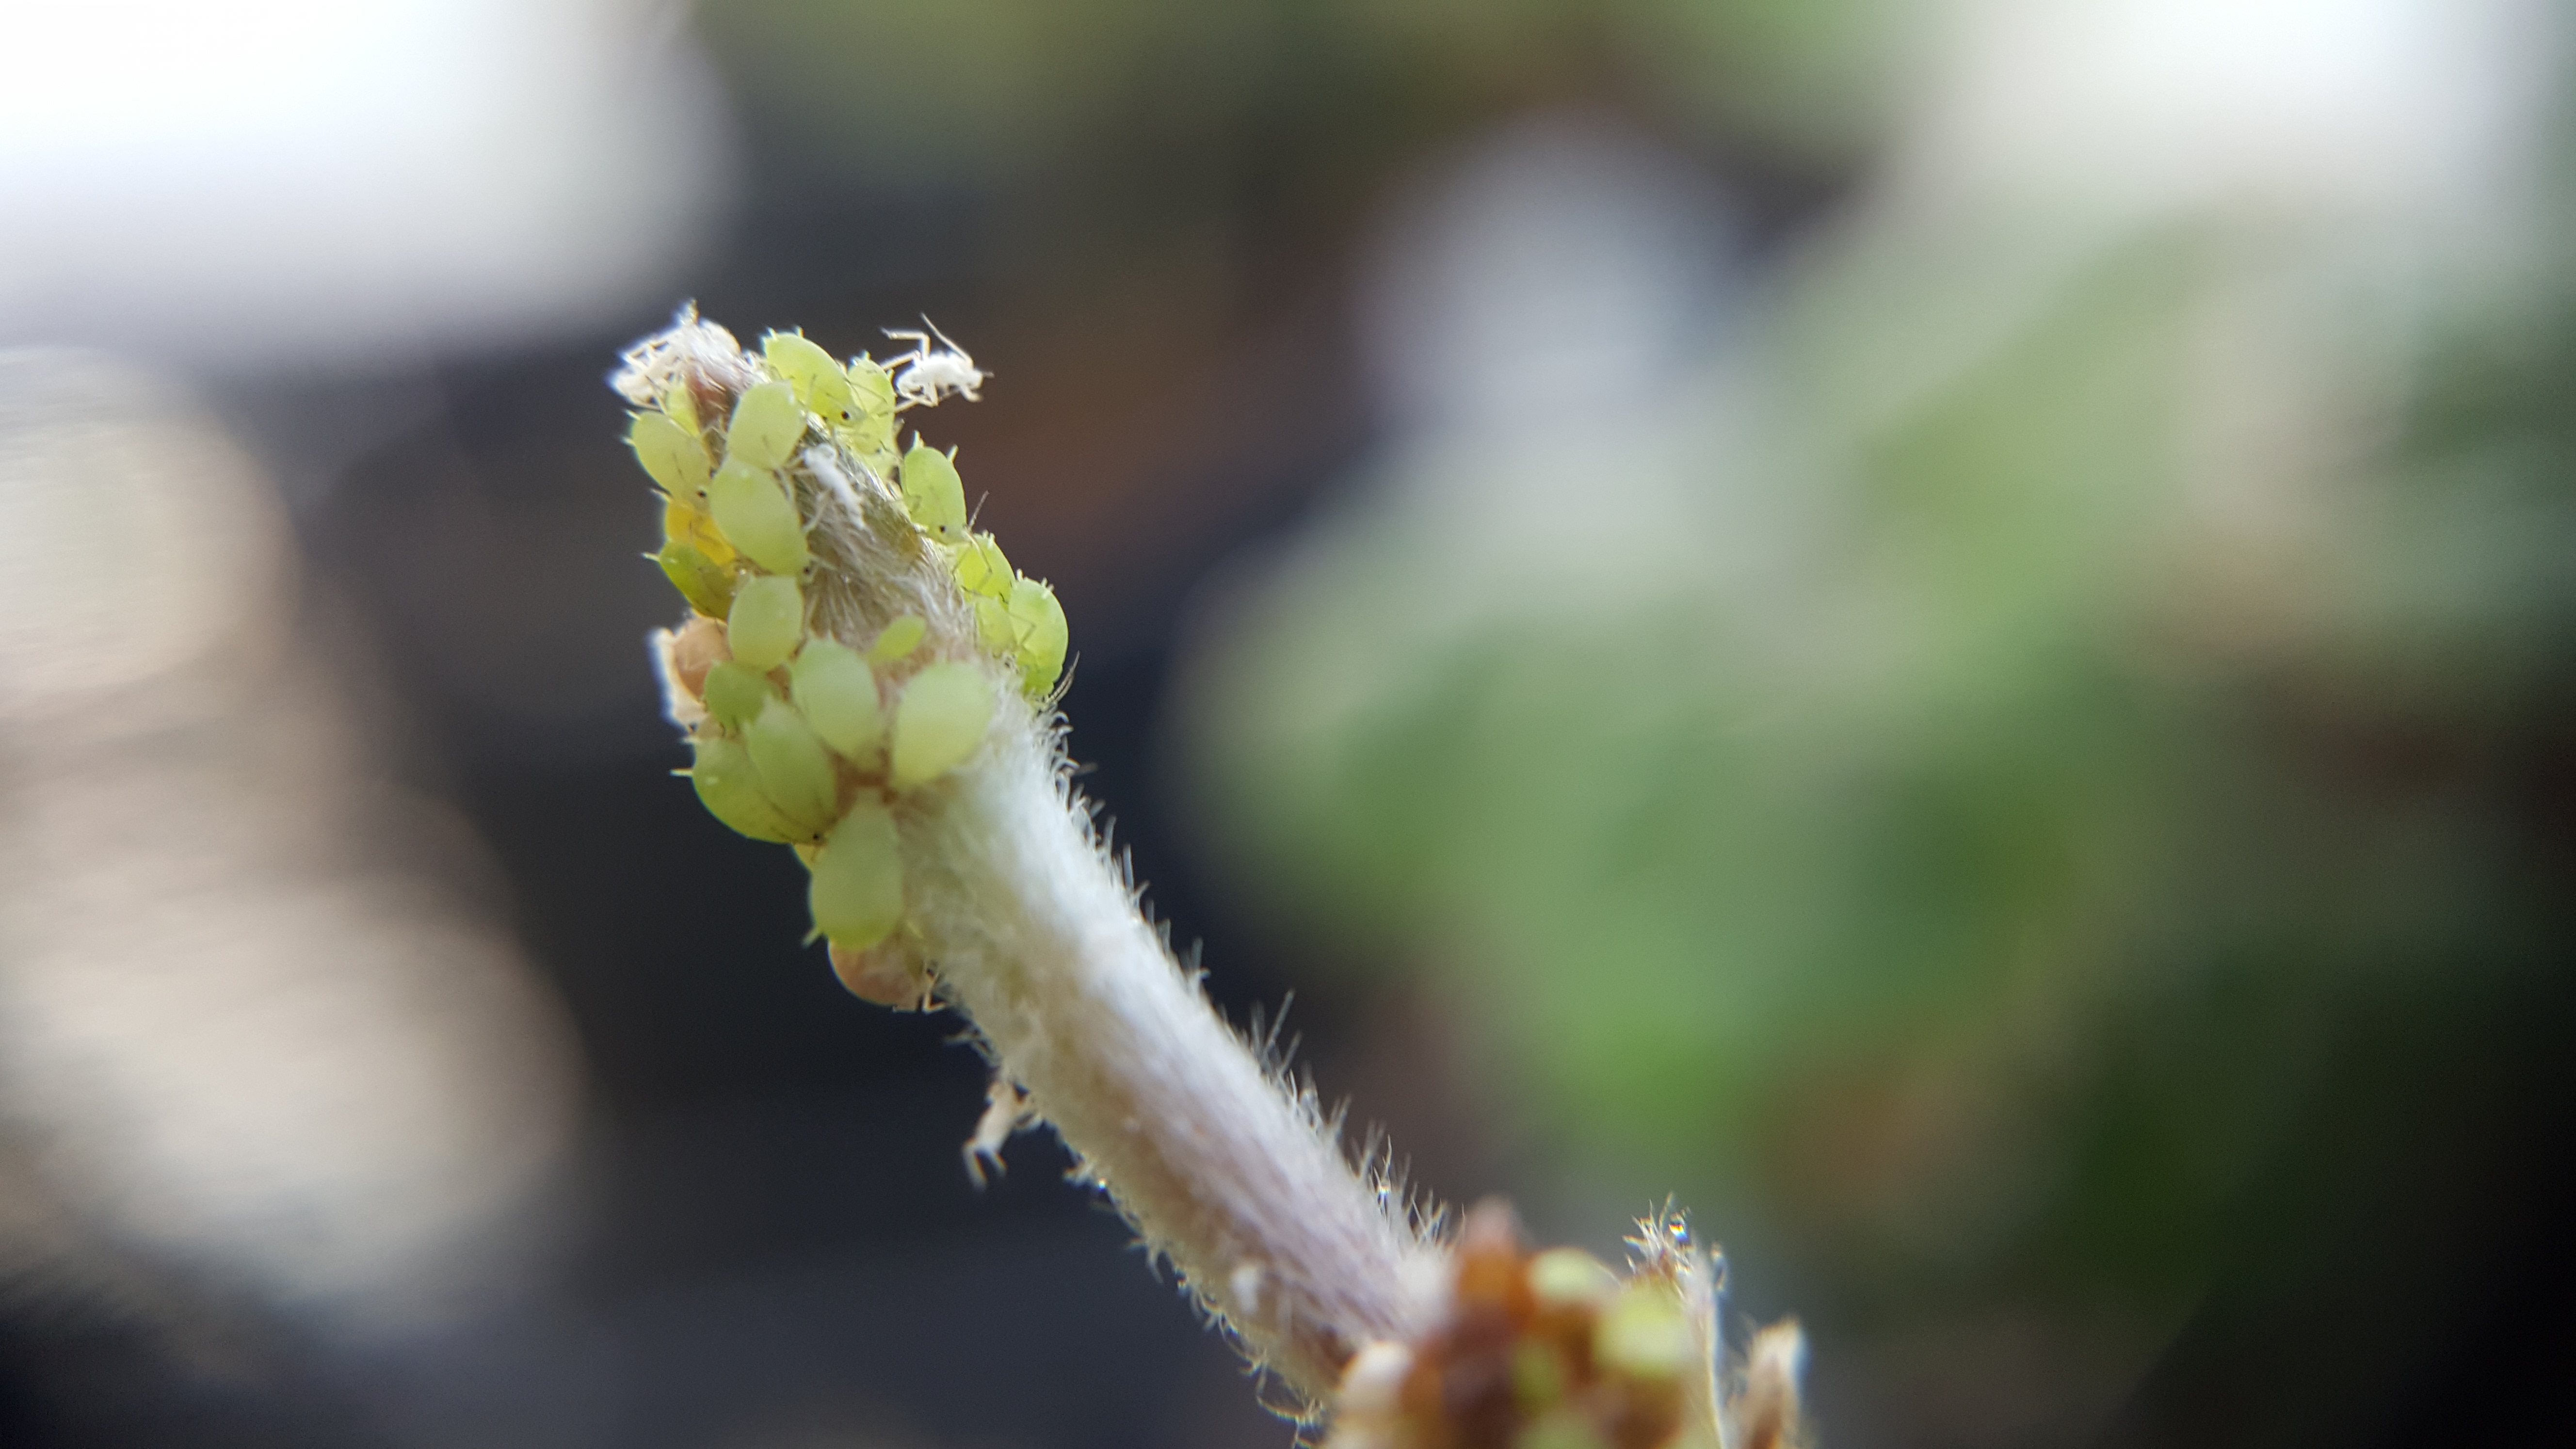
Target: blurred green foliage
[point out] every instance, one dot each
(998, 89)
(1927, 790)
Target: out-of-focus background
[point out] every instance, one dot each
(1942, 629)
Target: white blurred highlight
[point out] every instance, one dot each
(2414, 109)
(247, 1026)
(1563, 259)
(285, 175)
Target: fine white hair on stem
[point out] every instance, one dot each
(1223, 1168)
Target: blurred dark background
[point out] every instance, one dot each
(1940, 628)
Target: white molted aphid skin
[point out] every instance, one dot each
(821, 463)
(1005, 1111)
(1374, 1379)
(929, 372)
(1245, 1284)
(680, 706)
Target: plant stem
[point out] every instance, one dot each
(1221, 1166)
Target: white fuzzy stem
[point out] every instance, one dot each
(1220, 1167)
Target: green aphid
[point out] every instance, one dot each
(993, 627)
(857, 890)
(766, 621)
(767, 425)
(871, 426)
(981, 568)
(729, 786)
(940, 721)
(708, 587)
(1043, 635)
(872, 386)
(820, 383)
(933, 495)
(795, 772)
(898, 639)
(735, 693)
(756, 515)
(1645, 1334)
(838, 693)
(682, 405)
(873, 440)
(669, 452)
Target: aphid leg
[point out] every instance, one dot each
(920, 349)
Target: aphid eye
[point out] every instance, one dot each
(766, 621)
(735, 693)
(729, 787)
(933, 495)
(670, 453)
(857, 890)
(767, 425)
(756, 515)
(795, 773)
(898, 639)
(838, 693)
(940, 721)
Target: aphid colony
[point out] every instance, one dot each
(1553, 1350)
(776, 473)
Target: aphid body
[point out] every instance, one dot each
(794, 771)
(933, 493)
(767, 424)
(898, 639)
(729, 786)
(856, 892)
(752, 508)
(735, 693)
(939, 721)
(816, 375)
(670, 453)
(838, 693)
(933, 368)
(766, 622)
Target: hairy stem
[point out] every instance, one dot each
(865, 677)
(1222, 1168)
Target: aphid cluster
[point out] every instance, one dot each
(1554, 1350)
(847, 627)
